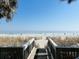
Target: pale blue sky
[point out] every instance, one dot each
(44, 15)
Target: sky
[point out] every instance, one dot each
(43, 15)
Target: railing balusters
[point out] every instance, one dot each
(60, 52)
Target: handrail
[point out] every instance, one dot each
(52, 42)
(28, 43)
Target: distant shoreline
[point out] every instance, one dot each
(37, 32)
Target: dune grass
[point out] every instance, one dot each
(13, 41)
(66, 41)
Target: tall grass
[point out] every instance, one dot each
(66, 41)
(13, 41)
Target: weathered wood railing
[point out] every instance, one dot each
(21, 52)
(60, 52)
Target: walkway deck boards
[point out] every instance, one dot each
(42, 54)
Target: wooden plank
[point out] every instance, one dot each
(32, 54)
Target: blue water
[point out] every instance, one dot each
(36, 32)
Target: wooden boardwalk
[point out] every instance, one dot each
(40, 54)
(32, 54)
